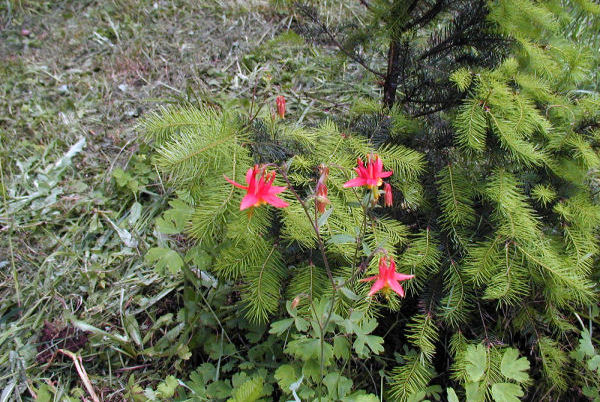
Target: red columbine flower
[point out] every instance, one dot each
(388, 199)
(321, 199)
(280, 100)
(388, 278)
(260, 189)
(371, 176)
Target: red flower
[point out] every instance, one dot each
(388, 199)
(321, 199)
(280, 106)
(260, 189)
(370, 176)
(388, 278)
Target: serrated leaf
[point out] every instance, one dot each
(164, 258)
(506, 392)
(341, 347)
(594, 363)
(286, 375)
(337, 386)
(473, 392)
(279, 327)
(476, 357)
(585, 343)
(219, 389)
(173, 220)
(514, 367)
(166, 389)
(374, 342)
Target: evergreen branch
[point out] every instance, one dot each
(411, 377)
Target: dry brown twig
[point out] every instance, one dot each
(82, 373)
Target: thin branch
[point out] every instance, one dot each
(351, 55)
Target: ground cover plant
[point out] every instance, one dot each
(371, 200)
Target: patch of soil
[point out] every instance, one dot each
(54, 336)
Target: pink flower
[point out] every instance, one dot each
(387, 278)
(388, 199)
(280, 100)
(260, 189)
(371, 176)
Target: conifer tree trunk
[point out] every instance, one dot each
(391, 77)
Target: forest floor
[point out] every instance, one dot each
(80, 194)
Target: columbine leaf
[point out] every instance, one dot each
(452, 397)
(476, 361)
(514, 368)
(279, 327)
(506, 392)
(341, 347)
(594, 363)
(164, 258)
(286, 375)
(337, 386)
(585, 344)
(323, 218)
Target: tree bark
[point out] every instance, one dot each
(393, 71)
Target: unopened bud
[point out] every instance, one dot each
(280, 106)
(295, 302)
(388, 199)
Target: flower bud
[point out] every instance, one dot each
(388, 199)
(280, 106)
(321, 199)
(295, 302)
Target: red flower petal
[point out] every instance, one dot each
(275, 201)
(249, 200)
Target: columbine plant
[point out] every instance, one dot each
(260, 190)
(316, 248)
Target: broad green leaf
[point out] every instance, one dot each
(249, 391)
(205, 373)
(476, 357)
(219, 389)
(360, 396)
(585, 343)
(374, 342)
(311, 369)
(594, 363)
(341, 347)
(164, 258)
(166, 389)
(452, 397)
(279, 327)
(506, 392)
(474, 392)
(174, 220)
(286, 375)
(337, 386)
(514, 367)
